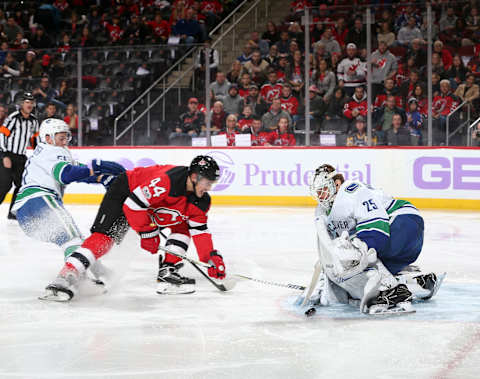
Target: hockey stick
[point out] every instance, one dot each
(284, 285)
(221, 287)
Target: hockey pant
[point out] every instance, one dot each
(11, 175)
(45, 219)
(406, 241)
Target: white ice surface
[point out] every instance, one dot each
(250, 332)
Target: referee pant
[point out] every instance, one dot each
(11, 175)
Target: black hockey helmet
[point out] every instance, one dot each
(27, 96)
(205, 166)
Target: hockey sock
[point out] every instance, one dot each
(93, 247)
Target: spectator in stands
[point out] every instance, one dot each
(289, 102)
(211, 10)
(231, 129)
(351, 71)
(422, 100)
(457, 72)
(473, 20)
(246, 119)
(358, 136)
(383, 116)
(3, 113)
(259, 44)
(71, 119)
(442, 105)
(448, 19)
(114, 30)
(436, 83)
(45, 94)
(445, 55)
(256, 67)
(11, 28)
(418, 53)
(200, 61)
(271, 34)
(385, 34)
(30, 67)
(233, 102)
(282, 68)
(331, 44)
(219, 87)
(65, 94)
(296, 73)
(387, 90)
(281, 136)
(188, 29)
(357, 34)
(317, 107)
(218, 117)
(409, 32)
(398, 134)
(271, 118)
(415, 122)
(246, 54)
(283, 43)
(50, 112)
(424, 30)
(320, 51)
(40, 39)
(272, 56)
(160, 29)
(178, 12)
(357, 105)
(476, 136)
(384, 66)
(259, 137)
(234, 75)
(437, 65)
(245, 83)
(10, 67)
(468, 91)
(135, 32)
(324, 79)
(190, 123)
(255, 100)
(295, 33)
(408, 86)
(272, 88)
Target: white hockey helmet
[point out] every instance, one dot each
(322, 186)
(52, 126)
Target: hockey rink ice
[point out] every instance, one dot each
(253, 331)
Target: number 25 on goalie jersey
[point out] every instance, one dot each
(360, 210)
(159, 197)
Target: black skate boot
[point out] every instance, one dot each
(429, 282)
(392, 300)
(170, 282)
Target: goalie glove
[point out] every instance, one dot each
(150, 240)
(100, 166)
(218, 266)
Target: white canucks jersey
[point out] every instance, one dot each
(361, 209)
(42, 175)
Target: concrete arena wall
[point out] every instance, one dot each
(446, 178)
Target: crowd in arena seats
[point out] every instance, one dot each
(123, 49)
(267, 79)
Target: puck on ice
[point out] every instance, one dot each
(310, 312)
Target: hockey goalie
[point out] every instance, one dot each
(366, 242)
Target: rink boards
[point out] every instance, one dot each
(447, 178)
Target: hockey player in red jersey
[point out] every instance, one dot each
(149, 199)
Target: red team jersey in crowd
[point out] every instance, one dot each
(211, 6)
(160, 29)
(444, 104)
(260, 139)
(159, 194)
(114, 31)
(277, 139)
(270, 91)
(230, 137)
(352, 104)
(290, 104)
(381, 99)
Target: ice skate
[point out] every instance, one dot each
(62, 289)
(170, 282)
(392, 300)
(430, 283)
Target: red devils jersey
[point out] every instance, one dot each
(160, 29)
(444, 104)
(244, 92)
(230, 137)
(382, 98)
(277, 139)
(290, 104)
(260, 139)
(211, 6)
(114, 31)
(270, 91)
(245, 123)
(159, 197)
(353, 104)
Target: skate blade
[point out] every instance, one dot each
(439, 282)
(169, 289)
(57, 296)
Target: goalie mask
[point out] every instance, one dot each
(52, 126)
(322, 186)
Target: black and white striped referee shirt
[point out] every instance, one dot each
(17, 133)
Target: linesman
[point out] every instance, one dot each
(18, 130)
